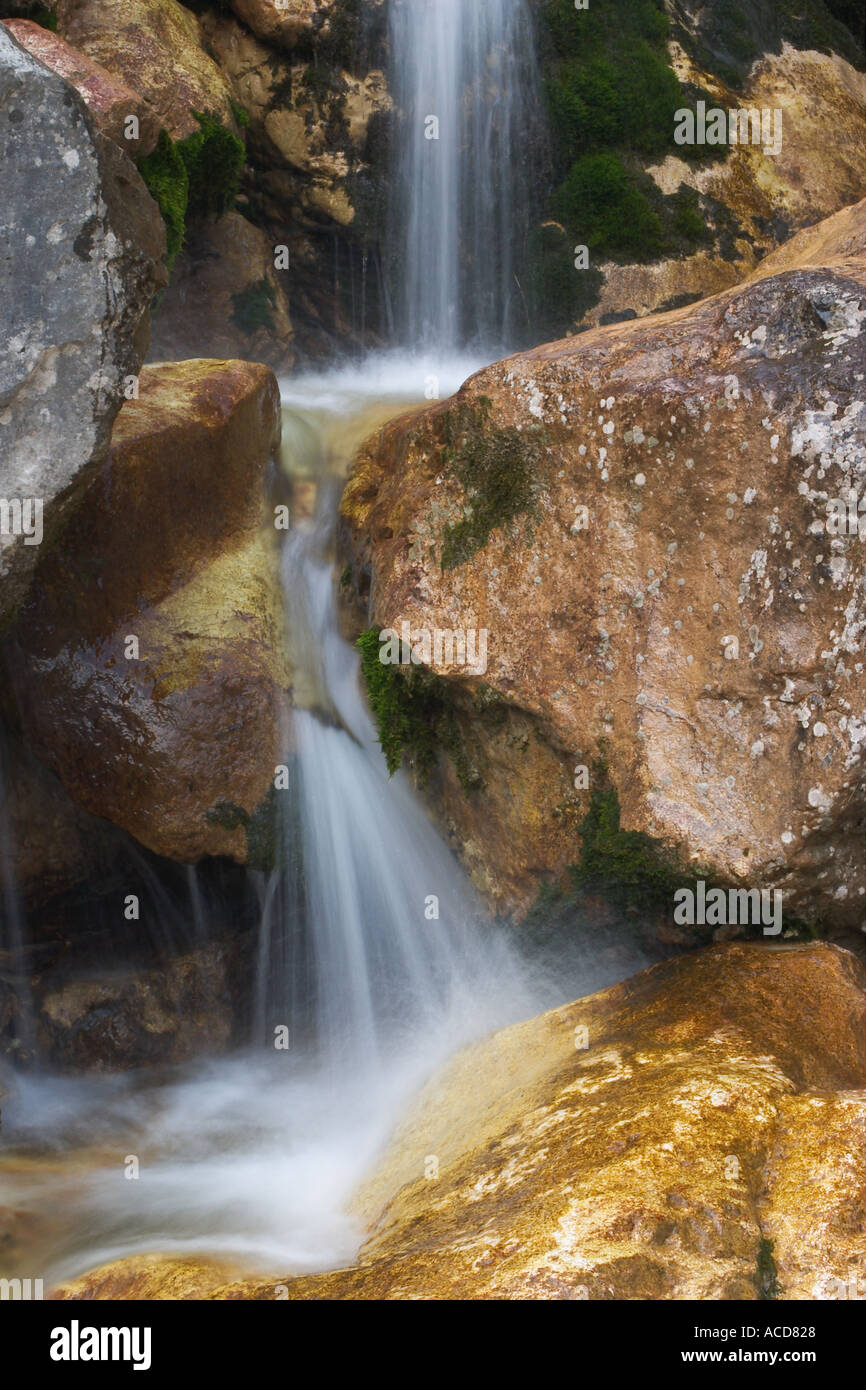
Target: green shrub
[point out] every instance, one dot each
(252, 306)
(601, 204)
(165, 175)
(558, 294)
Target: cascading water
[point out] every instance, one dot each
(464, 77)
(256, 1157)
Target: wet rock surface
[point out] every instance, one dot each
(650, 1141)
(148, 663)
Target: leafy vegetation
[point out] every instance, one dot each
(600, 198)
(498, 469)
(612, 96)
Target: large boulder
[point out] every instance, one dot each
(148, 661)
(695, 1133)
(657, 524)
(109, 101)
(155, 47)
(84, 246)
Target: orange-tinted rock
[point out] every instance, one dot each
(638, 1144)
(148, 662)
(671, 598)
(110, 101)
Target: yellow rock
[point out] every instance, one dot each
(669, 1138)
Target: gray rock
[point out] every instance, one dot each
(81, 256)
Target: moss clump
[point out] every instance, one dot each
(414, 715)
(627, 867)
(214, 160)
(767, 1275)
(193, 178)
(498, 470)
(252, 307)
(600, 202)
(164, 172)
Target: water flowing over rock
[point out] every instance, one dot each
(467, 88)
(669, 1138)
(655, 524)
(84, 243)
(148, 659)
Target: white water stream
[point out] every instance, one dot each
(256, 1157)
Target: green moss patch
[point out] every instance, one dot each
(497, 468)
(626, 867)
(165, 175)
(414, 715)
(194, 178)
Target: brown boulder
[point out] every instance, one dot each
(637, 1144)
(148, 662)
(286, 22)
(110, 101)
(225, 298)
(642, 519)
(155, 47)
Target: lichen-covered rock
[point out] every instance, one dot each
(84, 244)
(226, 299)
(148, 661)
(289, 22)
(155, 47)
(643, 1143)
(660, 527)
(110, 101)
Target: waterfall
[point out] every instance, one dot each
(369, 928)
(465, 79)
